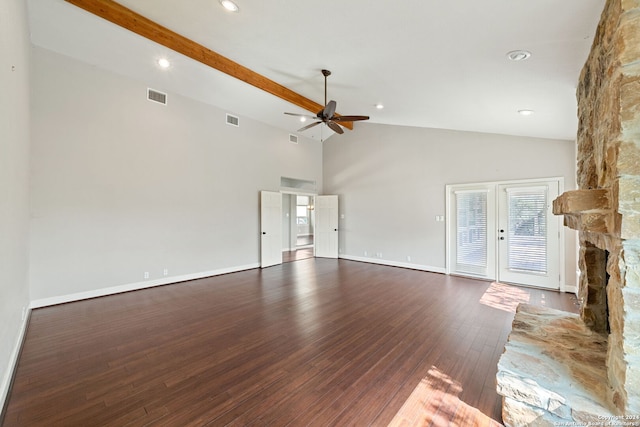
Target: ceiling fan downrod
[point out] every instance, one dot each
(325, 73)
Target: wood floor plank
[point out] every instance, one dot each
(311, 342)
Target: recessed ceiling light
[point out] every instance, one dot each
(518, 55)
(164, 63)
(379, 106)
(229, 5)
(303, 119)
(525, 112)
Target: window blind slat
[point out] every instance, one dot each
(527, 230)
(471, 231)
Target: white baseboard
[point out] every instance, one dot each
(13, 362)
(137, 286)
(390, 263)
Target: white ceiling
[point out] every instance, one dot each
(439, 64)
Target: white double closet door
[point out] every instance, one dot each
(505, 232)
(326, 232)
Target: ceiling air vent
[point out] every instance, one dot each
(293, 138)
(233, 120)
(155, 96)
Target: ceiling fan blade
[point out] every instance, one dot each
(306, 116)
(309, 126)
(349, 118)
(335, 127)
(329, 110)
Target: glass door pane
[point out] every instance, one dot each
(527, 250)
(473, 219)
(471, 231)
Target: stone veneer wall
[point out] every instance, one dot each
(606, 208)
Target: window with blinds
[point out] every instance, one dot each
(471, 231)
(527, 216)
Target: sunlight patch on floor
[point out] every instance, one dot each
(434, 402)
(504, 297)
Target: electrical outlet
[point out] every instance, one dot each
(365, 253)
(379, 254)
(165, 272)
(408, 258)
(146, 274)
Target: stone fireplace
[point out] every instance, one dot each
(605, 209)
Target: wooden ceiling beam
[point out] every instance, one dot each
(132, 21)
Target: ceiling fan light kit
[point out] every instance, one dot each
(328, 114)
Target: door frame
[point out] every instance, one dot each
(449, 217)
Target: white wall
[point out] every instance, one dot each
(288, 216)
(391, 182)
(123, 186)
(14, 175)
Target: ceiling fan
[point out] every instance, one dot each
(328, 114)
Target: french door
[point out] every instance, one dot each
(472, 225)
(528, 234)
(506, 232)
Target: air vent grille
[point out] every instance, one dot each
(233, 120)
(155, 96)
(293, 138)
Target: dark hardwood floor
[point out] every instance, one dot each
(314, 342)
(297, 255)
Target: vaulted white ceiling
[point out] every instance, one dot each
(438, 64)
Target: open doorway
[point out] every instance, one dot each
(304, 222)
(298, 227)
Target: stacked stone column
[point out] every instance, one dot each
(609, 163)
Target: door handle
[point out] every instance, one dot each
(335, 229)
(264, 232)
(501, 238)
